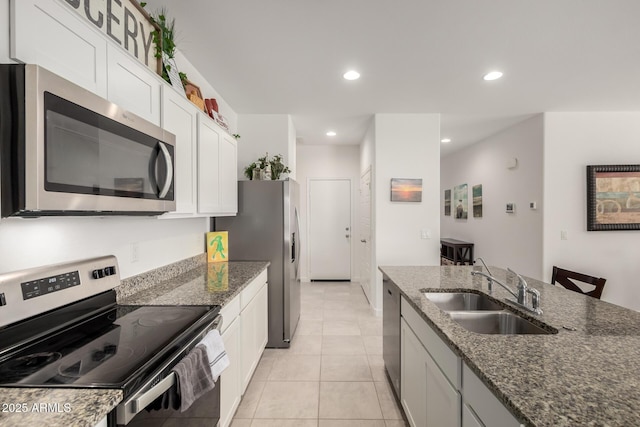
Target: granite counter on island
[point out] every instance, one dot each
(586, 376)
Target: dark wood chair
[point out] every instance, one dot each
(568, 278)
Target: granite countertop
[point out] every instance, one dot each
(205, 284)
(55, 407)
(589, 376)
(189, 282)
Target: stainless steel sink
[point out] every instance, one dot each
(495, 322)
(458, 301)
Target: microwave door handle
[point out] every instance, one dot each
(169, 166)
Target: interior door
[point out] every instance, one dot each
(365, 235)
(330, 229)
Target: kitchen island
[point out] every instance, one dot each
(586, 376)
(188, 282)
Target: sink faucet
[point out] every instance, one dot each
(522, 289)
(485, 265)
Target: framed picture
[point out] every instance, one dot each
(613, 197)
(406, 190)
(461, 201)
(447, 202)
(476, 191)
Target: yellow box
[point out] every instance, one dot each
(217, 246)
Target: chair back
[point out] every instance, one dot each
(569, 278)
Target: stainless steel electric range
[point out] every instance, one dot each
(60, 326)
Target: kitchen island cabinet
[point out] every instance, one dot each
(531, 380)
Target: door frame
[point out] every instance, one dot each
(308, 225)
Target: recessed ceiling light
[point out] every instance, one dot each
(331, 133)
(445, 140)
(351, 75)
(493, 75)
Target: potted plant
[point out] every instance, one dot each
(277, 167)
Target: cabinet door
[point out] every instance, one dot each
(443, 400)
(179, 118)
(469, 419)
(249, 346)
(262, 319)
(228, 169)
(208, 159)
(133, 86)
(413, 377)
(230, 391)
(49, 34)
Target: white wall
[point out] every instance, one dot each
(207, 90)
(573, 141)
(502, 239)
(28, 243)
(406, 146)
(261, 133)
(329, 161)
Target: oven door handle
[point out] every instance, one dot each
(157, 390)
(153, 393)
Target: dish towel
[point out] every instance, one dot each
(193, 377)
(218, 359)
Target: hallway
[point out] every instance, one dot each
(333, 374)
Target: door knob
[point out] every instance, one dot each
(363, 240)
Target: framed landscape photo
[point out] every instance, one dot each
(613, 197)
(406, 190)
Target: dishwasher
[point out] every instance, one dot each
(391, 333)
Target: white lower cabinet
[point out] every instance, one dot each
(428, 398)
(484, 404)
(230, 392)
(413, 376)
(469, 419)
(437, 389)
(243, 333)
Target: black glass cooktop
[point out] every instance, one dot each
(105, 351)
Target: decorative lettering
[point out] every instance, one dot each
(87, 11)
(74, 3)
(128, 33)
(112, 18)
(146, 42)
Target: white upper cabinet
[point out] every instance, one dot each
(228, 175)
(217, 164)
(179, 116)
(208, 159)
(48, 33)
(132, 86)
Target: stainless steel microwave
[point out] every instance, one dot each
(67, 151)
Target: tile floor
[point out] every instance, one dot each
(333, 373)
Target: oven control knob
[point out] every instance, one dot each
(98, 274)
(110, 271)
(110, 349)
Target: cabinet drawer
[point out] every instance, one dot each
(484, 403)
(446, 359)
(229, 312)
(252, 289)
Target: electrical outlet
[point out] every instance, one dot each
(134, 252)
(563, 235)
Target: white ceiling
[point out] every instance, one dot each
(415, 56)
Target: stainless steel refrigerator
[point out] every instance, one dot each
(267, 228)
